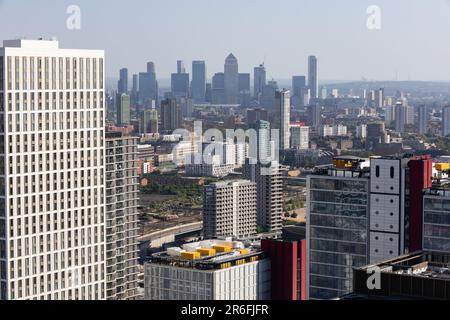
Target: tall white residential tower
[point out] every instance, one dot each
(52, 193)
(284, 108)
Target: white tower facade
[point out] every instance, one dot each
(284, 107)
(52, 201)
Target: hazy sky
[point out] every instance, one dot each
(413, 42)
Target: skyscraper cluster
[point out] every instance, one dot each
(236, 177)
(227, 87)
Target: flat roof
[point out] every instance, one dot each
(350, 158)
(419, 264)
(27, 43)
(43, 46)
(438, 189)
(206, 263)
(244, 253)
(227, 183)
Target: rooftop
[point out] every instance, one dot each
(209, 255)
(407, 156)
(345, 166)
(440, 188)
(45, 47)
(231, 57)
(420, 275)
(36, 44)
(418, 264)
(222, 184)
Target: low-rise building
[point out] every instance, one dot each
(421, 275)
(361, 131)
(213, 167)
(209, 170)
(299, 136)
(208, 270)
(229, 209)
(145, 158)
(337, 130)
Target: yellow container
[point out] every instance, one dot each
(244, 251)
(190, 255)
(342, 164)
(442, 166)
(206, 252)
(223, 248)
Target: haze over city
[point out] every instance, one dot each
(224, 150)
(411, 44)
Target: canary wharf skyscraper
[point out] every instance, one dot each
(148, 86)
(198, 84)
(52, 189)
(259, 81)
(298, 91)
(122, 86)
(231, 80)
(313, 82)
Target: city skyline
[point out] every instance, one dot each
(198, 150)
(289, 32)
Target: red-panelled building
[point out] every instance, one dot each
(302, 271)
(288, 268)
(420, 178)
